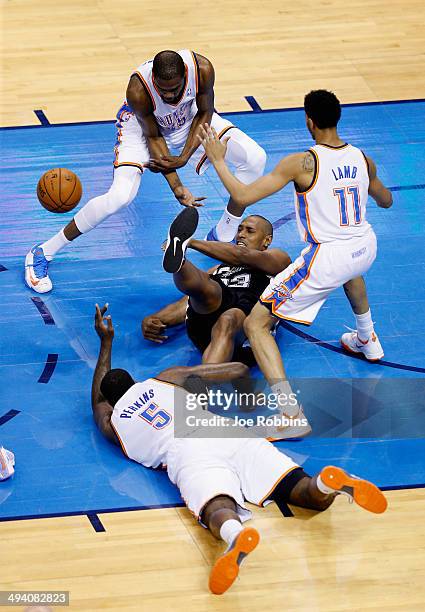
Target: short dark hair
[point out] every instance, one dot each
(168, 65)
(114, 384)
(323, 108)
(268, 227)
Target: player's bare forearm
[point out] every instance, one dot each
(103, 366)
(174, 313)
(192, 142)
(382, 196)
(271, 261)
(154, 325)
(217, 372)
(223, 251)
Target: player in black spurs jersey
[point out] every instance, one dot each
(216, 302)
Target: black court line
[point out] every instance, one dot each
(42, 118)
(8, 415)
(253, 104)
(49, 368)
(406, 187)
(27, 517)
(337, 349)
(96, 522)
(264, 110)
(43, 310)
(2, 268)
(279, 222)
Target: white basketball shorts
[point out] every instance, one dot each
(298, 293)
(243, 469)
(131, 148)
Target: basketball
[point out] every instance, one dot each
(59, 190)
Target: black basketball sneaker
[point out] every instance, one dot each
(181, 230)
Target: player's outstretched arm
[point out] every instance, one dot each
(271, 261)
(214, 372)
(102, 410)
(245, 195)
(154, 325)
(382, 196)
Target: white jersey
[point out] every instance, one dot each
(143, 420)
(334, 206)
(173, 119)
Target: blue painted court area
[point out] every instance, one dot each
(49, 347)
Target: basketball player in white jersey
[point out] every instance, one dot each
(332, 181)
(217, 475)
(168, 98)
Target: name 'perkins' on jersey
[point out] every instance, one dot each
(173, 119)
(143, 419)
(334, 207)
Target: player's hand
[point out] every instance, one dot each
(184, 196)
(214, 147)
(166, 163)
(152, 328)
(105, 331)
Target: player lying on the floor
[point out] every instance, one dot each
(217, 302)
(214, 478)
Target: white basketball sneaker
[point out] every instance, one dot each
(7, 463)
(288, 427)
(36, 266)
(371, 348)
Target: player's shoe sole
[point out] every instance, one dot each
(226, 568)
(181, 230)
(365, 493)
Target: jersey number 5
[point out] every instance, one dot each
(342, 194)
(155, 416)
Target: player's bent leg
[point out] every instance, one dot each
(257, 327)
(250, 160)
(221, 518)
(122, 192)
(364, 493)
(223, 336)
(363, 340)
(319, 492)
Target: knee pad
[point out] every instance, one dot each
(246, 155)
(121, 193)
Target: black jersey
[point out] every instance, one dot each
(247, 283)
(241, 288)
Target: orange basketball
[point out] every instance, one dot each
(59, 190)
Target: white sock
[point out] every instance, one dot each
(364, 325)
(227, 227)
(229, 530)
(54, 245)
(286, 398)
(323, 488)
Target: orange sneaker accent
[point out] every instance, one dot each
(33, 281)
(226, 568)
(365, 493)
(347, 348)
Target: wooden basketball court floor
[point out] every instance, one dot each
(71, 60)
